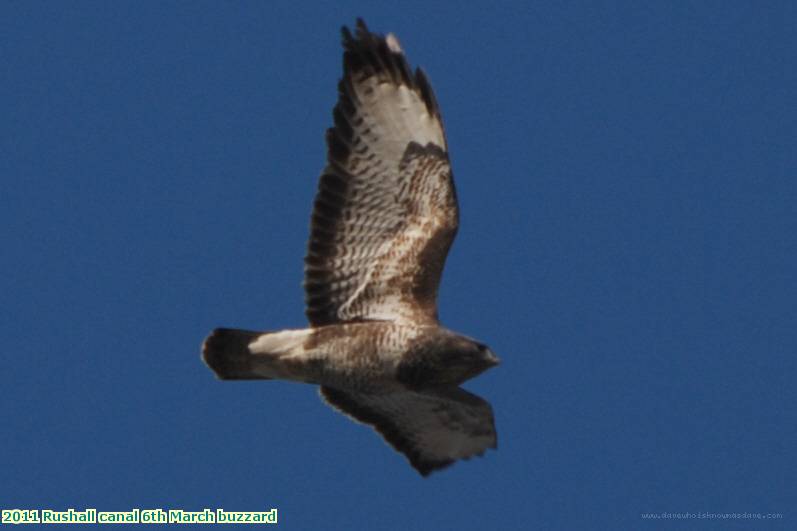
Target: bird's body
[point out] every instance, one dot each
(367, 356)
(383, 220)
(361, 356)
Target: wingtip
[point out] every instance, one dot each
(346, 36)
(366, 37)
(360, 31)
(393, 43)
(425, 468)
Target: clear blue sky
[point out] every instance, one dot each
(628, 247)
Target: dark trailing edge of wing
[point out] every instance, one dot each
(386, 427)
(348, 404)
(365, 55)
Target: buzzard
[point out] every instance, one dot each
(384, 218)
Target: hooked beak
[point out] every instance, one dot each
(491, 359)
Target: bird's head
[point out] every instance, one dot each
(445, 359)
(463, 358)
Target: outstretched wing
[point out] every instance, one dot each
(433, 427)
(386, 211)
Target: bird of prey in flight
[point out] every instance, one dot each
(383, 220)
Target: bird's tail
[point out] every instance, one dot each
(244, 355)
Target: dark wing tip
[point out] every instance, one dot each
(375, 51)
(347, 36)
(361, 34)
(425, 468)
(370, 54)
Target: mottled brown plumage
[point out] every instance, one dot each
(383, 220)
(386, 198)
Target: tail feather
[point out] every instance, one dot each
(243, 355)
(226, 352)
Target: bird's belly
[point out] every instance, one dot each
(345, 370)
